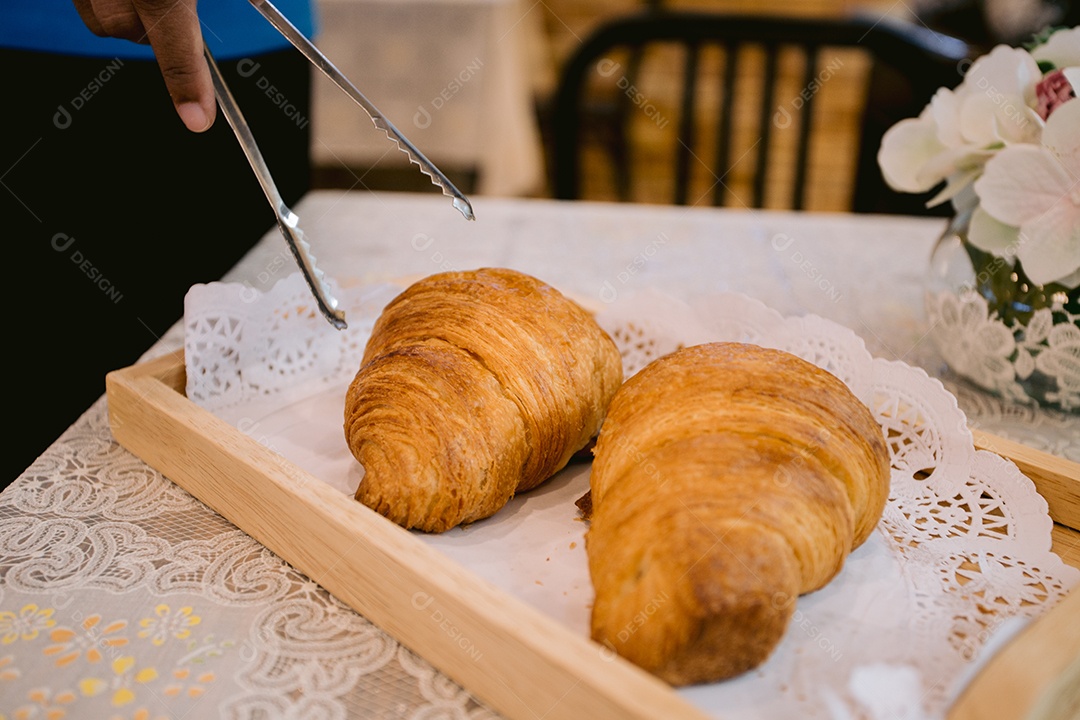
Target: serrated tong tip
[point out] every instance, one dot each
(320, 61)
(288, 221)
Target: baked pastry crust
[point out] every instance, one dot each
(474, 386)
(728, 480)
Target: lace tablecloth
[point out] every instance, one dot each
(122, 596)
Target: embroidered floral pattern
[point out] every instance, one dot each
(25, 624)
(1060, 359)
(69, 644)
(188, 683)
(7, 669)
(122, 683)
(168, 623)
(140, 714)
(102, 671)
(973, 344)
(981, 347)
(43, 703)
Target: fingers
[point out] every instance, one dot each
(86, 12)
(114, 18)
(171, 27)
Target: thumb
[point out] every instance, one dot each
(172, 27)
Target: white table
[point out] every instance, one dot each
(457, 77)
(119, 592)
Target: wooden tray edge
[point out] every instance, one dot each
(1036, 675)
(509, 655)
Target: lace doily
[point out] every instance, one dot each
(1008, 359)
(962, 553)
(240, 345)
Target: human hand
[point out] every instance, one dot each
(171, 28)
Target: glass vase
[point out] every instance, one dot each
(997, 329)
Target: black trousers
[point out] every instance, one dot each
(112, 210)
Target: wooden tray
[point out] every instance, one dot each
(510, 656)
(507, 654)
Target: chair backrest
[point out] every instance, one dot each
(919, 59)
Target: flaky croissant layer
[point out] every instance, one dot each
(728, 479)
(474, 386)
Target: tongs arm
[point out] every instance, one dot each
(316, 57)
(287, 220)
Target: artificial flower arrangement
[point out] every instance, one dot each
(1004, 145)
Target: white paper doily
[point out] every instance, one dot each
(961, 557)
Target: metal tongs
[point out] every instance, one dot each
(288, 221)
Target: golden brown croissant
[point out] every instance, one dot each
(474, 386)
(728, 480)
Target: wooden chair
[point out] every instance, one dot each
(908, 64)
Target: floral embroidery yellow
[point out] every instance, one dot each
(105, 654)
(44, 704)
(126, 675)
(140, 714)
(7, 672)
(69, 644)
(195, 687)
(177, 624)
(27, 624)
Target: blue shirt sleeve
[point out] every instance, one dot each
(231, 28)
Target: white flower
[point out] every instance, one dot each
(959, 131)
(1005, 145)
(1034, 190)
(1000, 99)
(1062, 49)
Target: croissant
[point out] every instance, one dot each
(474, 386)
(728, 479)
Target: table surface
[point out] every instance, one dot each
(120, 593)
